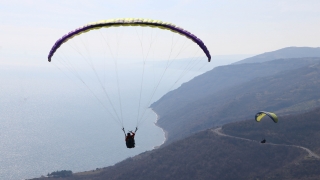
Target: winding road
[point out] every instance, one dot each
(310, 153)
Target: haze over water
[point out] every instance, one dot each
(57, 126)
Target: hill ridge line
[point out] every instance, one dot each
(310, 153)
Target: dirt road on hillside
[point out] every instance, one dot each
(310, 153)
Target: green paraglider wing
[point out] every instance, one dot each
(262, 114)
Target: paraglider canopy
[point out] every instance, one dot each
(262, 114)
(129, 22)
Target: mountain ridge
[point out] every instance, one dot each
(284, 53)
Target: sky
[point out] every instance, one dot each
(29, 28)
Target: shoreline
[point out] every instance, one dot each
(164, 131)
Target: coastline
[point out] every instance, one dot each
(164, 131)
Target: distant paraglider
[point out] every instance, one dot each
(262, 114)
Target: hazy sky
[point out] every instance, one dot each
(29, 28)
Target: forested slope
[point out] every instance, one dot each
(291, 91)
(301, 129)
(224, 77)
(202, 156)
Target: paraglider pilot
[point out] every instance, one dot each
(129, 138)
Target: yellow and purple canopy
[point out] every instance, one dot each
(128, 22)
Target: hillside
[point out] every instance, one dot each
(206, 155)
(202, 156)
(224, 77)
(290, 91)
(284, 53)
(300, 129)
